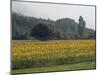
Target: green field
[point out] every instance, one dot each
(56, 55)
(70, 67)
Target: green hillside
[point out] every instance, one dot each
(66, 27)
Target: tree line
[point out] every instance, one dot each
(26, 28)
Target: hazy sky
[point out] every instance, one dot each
(56, 11)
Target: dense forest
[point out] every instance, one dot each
(27, 28)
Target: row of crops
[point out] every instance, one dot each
(28, 53)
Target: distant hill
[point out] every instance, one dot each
(68, 26)
(21, 26)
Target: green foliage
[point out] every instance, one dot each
(41, 31)
(81, 27)
(64, 28)
(68, 27)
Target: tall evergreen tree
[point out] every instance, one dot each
(81, 26)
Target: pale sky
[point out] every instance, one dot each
(56, 11)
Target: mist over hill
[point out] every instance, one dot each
(68, 28)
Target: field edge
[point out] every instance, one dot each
(58, 68)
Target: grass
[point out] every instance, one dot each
(67, 67)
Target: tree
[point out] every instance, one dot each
(81, 26)
(41, 32)
(59, 34)
(24, 36)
